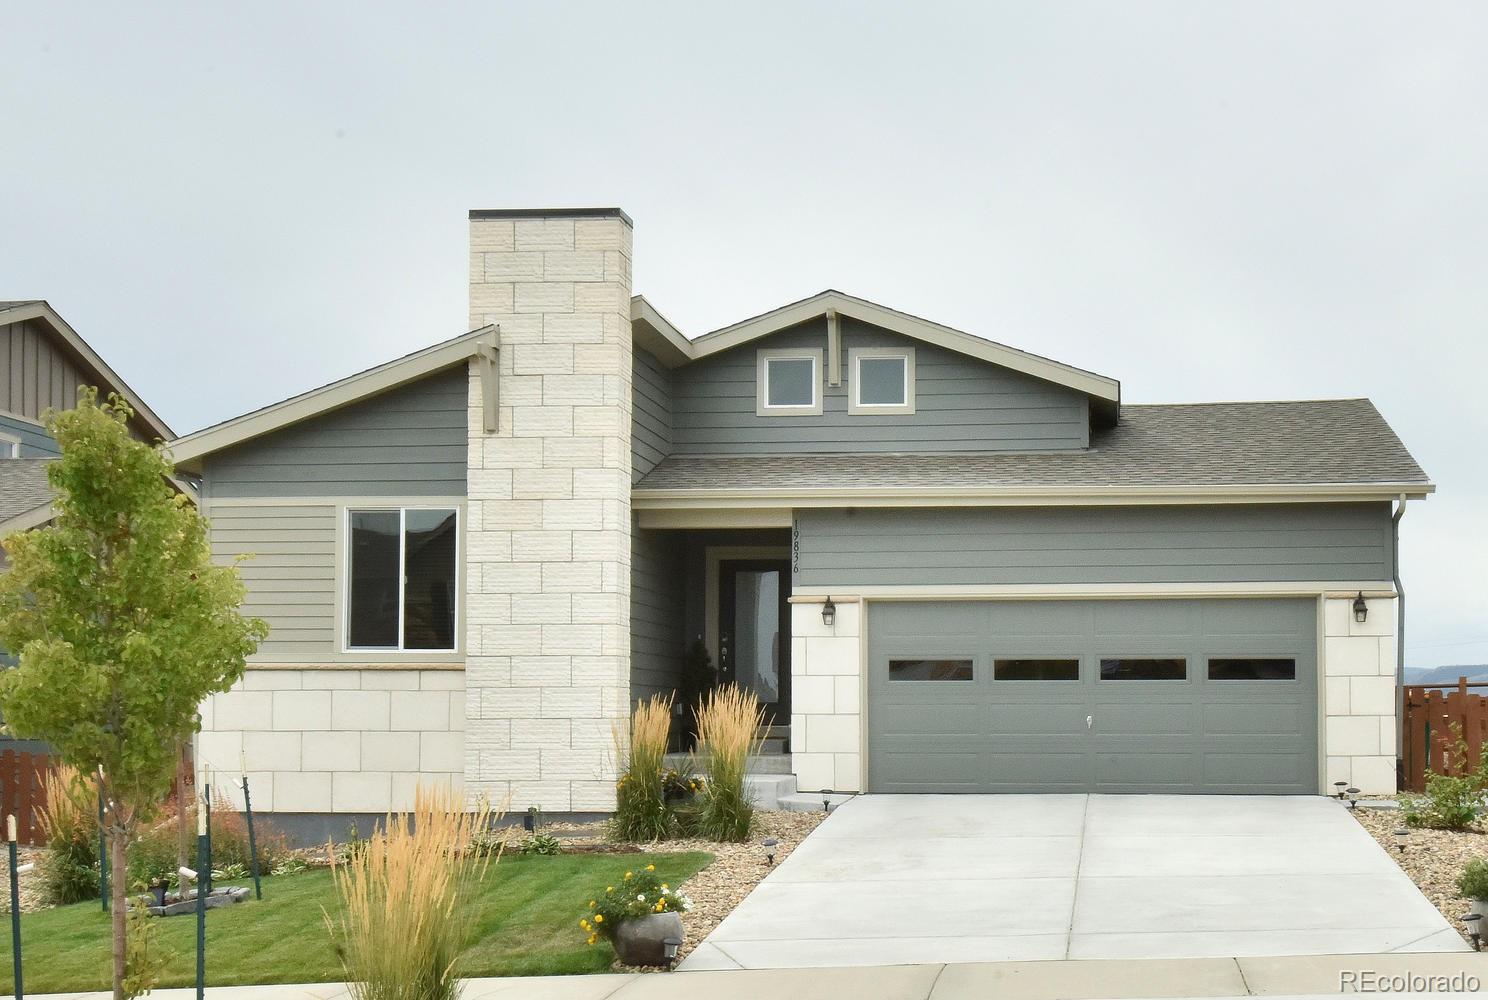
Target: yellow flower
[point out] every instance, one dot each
(650, 868)
(592, 938)
(584, 924)
(629, 875)
(592, 904)
(599, 918)
(664, 887)
(609, 888)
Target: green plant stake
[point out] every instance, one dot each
(103, 873)
(15, 907)
(252, 844)
(203, 875)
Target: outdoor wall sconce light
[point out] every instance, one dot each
(1361, 609)
(826, 800)
(1340, 785)
(1401, 836)
(829, 613)
(770, 845)
(529, 819)
(1472, 922)
(1353, 798)
(669, 948)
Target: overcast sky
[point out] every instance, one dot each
(1206, 201)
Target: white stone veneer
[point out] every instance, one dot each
(1357, 685)
(827, 697)
(336, 740)
(547, 642)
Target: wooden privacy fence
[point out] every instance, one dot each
(22, 791)
(1432, 718)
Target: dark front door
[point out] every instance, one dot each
(754, 631)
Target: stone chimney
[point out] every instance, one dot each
(548, 525)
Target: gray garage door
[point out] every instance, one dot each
(1113, 696)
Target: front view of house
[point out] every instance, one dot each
(943, 564)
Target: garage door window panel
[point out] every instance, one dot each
(1252, 668)
(1036, 669)
(1144, 668)
(932, 669)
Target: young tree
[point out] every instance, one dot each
(122, 623)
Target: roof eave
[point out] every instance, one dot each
(190, 449)
(656, 499)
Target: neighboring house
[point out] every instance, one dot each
(44, 363)
(477, 557)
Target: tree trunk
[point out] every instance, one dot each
(118, 839)
(185, 821)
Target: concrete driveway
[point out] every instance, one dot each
(891, 879)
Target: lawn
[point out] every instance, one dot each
(522, 920)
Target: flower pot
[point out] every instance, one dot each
(642, 941)
(1480, 907)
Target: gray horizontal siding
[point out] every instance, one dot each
(37, 375)
(657, 610)
(962, 404)
(651, 414)
(411, 441)
(291, 577)
(35, 441)
(1084, 545)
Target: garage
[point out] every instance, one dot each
(1191, 696)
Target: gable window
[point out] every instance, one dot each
(789, 383)
(883, 380)
(402, 578)
(10, 447)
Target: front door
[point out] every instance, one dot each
(754, 631)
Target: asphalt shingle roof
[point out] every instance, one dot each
(1313, 442)
(23, 485)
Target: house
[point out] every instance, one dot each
(943, 564)
(44, 363)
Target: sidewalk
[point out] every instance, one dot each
(1217, 978)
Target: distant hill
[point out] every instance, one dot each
(1445, 676)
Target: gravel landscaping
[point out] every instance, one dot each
(1432, 858)
(30, 881)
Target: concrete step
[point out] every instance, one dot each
(809, 801)
(766, 790)
(765, 763)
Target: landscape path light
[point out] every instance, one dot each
(1353, 798)
(769, 845)
(1473, 921)
(1401, 837)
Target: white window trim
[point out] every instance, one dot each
(10, 446)
(345, 588)
(762, 407)
(855, 355)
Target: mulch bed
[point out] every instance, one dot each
(1432, 858)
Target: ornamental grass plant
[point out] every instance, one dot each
(396, 932)
(729, 722)
(69, 824)
(641, 811)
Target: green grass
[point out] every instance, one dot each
(522, 920)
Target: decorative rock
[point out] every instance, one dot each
(641, 941)
(226, 896)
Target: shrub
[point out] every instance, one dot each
(145, 958)
(396, 935)
(728, 733)
(152, 857)
(1473, 882)
(543, 844)
(69, 824)
(641, 812)
(635, 894)
(1451, 801)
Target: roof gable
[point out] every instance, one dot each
(86, 358)
(656, 334)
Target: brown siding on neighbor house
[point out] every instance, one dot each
(37, 374)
